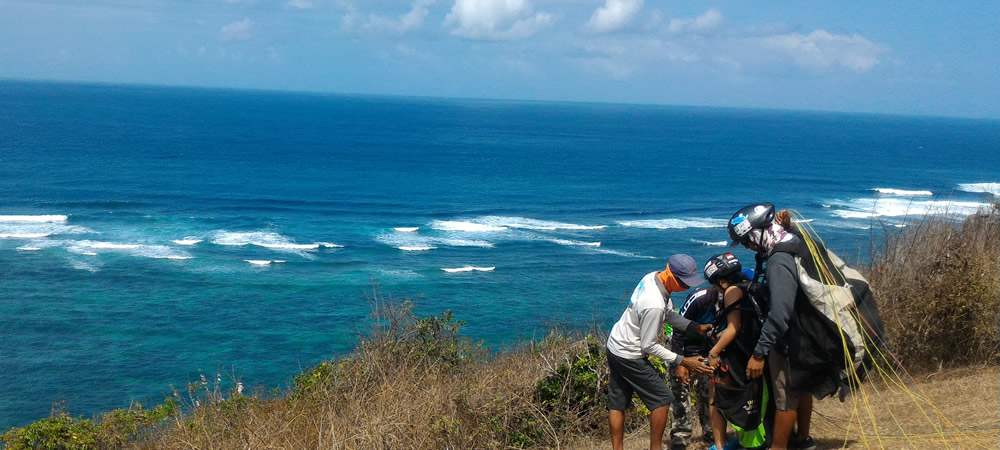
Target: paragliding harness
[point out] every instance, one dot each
(744, 402)
(835, 325)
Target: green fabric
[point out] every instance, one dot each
(756, 437)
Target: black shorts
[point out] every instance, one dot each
(635, 376)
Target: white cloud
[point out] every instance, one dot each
(238, 31)
(496, 19)
(300, 4)
(412, 20)
(710, 21)
(822, 49)
(614, 15)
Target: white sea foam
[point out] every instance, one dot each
(92, 248)
(289, 246)
(526, 223)
(622, 253)
(264, 262)
(867, 208)
(81, 265)
(676, 224)
(23, 235)
(711, 243)
(416, 242)
(465, 243)
(406, 229)
(266, 239)
(901, 192)
(187, 241)
(28, 249)
(575, 243)
(108, 245)
(329, 245)
(469, 269)
(469, 227)
(398, 273)
(34, 219)
(37, 230)
(986, 188)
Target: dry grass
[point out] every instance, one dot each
(399, 390)
(969, 398)
(938, 288)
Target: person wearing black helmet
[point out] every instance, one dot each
(725, 273)
(700, 306)
(754, 227)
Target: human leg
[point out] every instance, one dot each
(718, 422)
(784, 420)
(619, 398)
(680, 413)
(786, 401)
(802, 441)
(804, 411)
(616, 422)
(704, 405)
(638, 376)
(657, 423)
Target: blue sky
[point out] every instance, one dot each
(913, 57)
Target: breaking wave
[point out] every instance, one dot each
(52, 218)
(266, 239)
(469, 227)
(711, 243)
(901, 192)
(867, 208)
(675, 224)
(469, 269)
(985, 188)
(574, 243)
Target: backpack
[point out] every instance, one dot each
(741, 401)
(835, 317)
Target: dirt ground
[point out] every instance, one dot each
(962, 411)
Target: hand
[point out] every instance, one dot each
(714, 361)
(694, 364)
(682, 374)
(755, 368)
(703, 328)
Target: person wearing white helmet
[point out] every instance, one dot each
(754, 227)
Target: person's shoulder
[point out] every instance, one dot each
(781, 258)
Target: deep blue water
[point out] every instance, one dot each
(138, 210)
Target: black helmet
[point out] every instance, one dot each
(720, 266)
(758, 215)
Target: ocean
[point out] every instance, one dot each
(149, 235)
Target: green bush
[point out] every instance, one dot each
(577, 389)
(115, 429)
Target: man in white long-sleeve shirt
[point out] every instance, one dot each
(639, 333)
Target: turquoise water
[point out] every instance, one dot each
(148, 235)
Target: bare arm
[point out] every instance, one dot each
(733, 294)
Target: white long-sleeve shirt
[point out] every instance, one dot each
(640, 330)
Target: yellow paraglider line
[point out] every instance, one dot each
(891, 377)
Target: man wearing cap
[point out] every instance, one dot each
(637, 335)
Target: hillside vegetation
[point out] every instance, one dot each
(415, 382)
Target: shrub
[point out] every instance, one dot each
(937, 287)
(115, 429)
